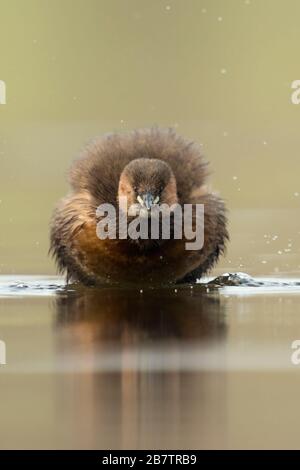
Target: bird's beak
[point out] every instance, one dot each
(146, 200)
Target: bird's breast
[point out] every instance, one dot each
(123, 261)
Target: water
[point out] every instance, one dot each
(207, 366)
(204, 367)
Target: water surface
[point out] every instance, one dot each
(199, 366)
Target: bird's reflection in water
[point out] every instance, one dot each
(143, 370)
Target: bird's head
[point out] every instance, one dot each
(146, 182)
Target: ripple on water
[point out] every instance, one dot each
(228, 283)
(243, 284)
(12, 286)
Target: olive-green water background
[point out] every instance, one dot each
(157, 369)
(219, 71)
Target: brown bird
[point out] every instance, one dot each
(146, 168)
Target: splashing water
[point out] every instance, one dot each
(234, 283)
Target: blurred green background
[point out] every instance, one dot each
(219, 71)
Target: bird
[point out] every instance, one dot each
(147, 168)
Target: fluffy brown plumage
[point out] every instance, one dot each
(150, 163)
